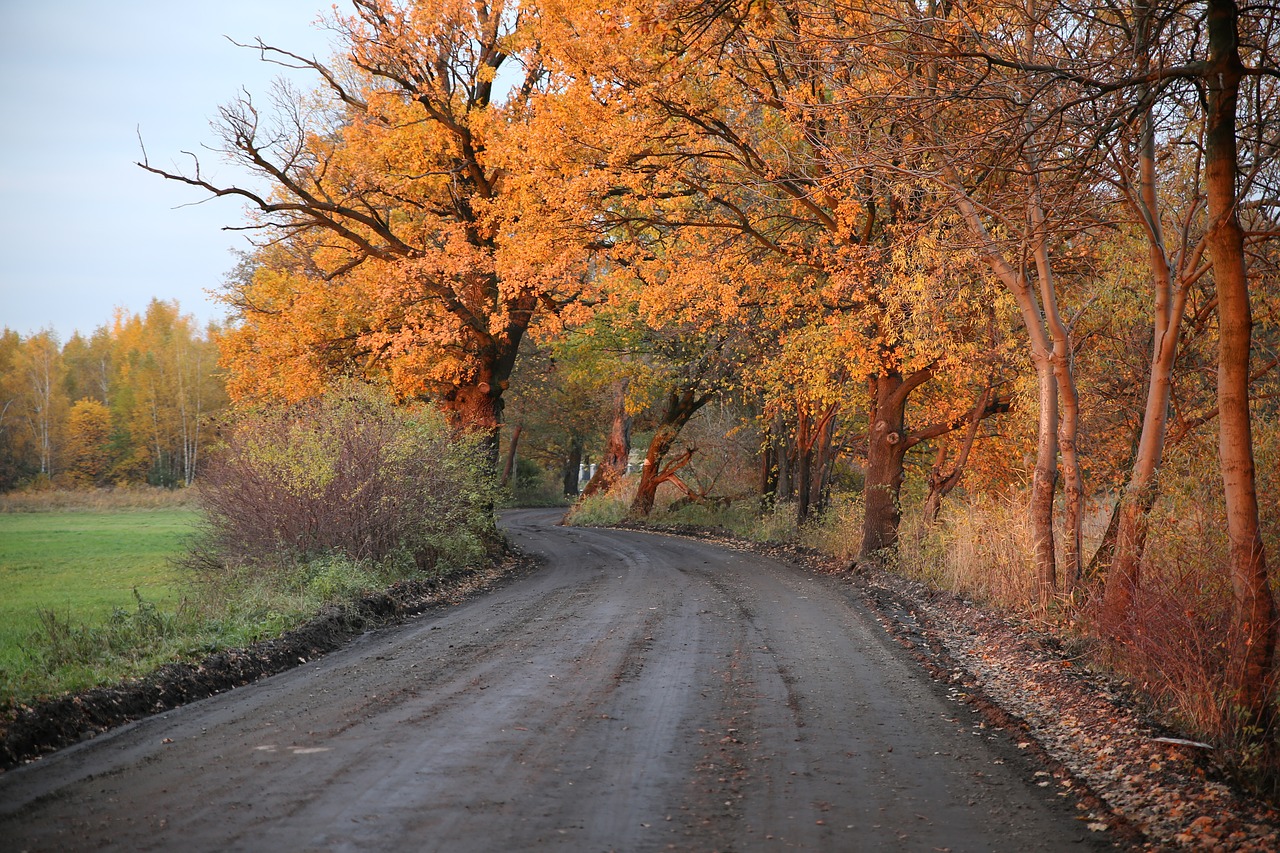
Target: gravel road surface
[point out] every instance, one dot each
(638, 692)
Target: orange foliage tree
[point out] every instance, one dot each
(398, 240)
(87, 446)
(692, 139)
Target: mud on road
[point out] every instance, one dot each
(638, 692)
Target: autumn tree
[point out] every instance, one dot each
(801, 419)
(1179, 74)
(11, 462)
(995, 141)
(694, 372)
(90, 367)
(714, 154)
(401, 241)
(1253, 614)
(148, 382)
(41, 402)
(87, 447)
(657, 361)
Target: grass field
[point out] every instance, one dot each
(82, 564)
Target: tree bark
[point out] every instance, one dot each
(941, 485)
(1253, 612)
(617, 451)
(804, 465)
(887, 444)
(509, 467)
(681, 406)
(786, 455)
(1043, 483)
(572, 466)
(476, 405)
(825, 460)
(477, 408)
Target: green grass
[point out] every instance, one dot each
(70, 619)
(84, 564)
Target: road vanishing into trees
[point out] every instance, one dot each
(637, 692)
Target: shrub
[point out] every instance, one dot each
(1178, 641)
(346, 475)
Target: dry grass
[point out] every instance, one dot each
(839, 531)
(1176, 642)
(97, 500)
(980, 549)
(604, 509)
(1175, 648)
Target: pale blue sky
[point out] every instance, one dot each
(82, 229)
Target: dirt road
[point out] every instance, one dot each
(639, 692)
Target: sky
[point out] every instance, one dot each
(82, 229)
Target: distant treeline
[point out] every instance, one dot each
(128, 404)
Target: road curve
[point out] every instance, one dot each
(638, 692)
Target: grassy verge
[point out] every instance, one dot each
(90, 596)
(318, 503)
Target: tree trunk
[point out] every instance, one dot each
(785, 455)
(1253, 612)
(1043, 483)
(768, 472)
(940, 484)
(1072, 476)
(804, 465)
(1134, 510)
(572, 466)
(617, 451)
(476, 405)
(1124, 575)
(477, 408)
(886, 448)
(1065, 409)
(652, 474)
(824, 459)
(1044, 478)
(937, 482)
(509, 467)
(681, 406)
